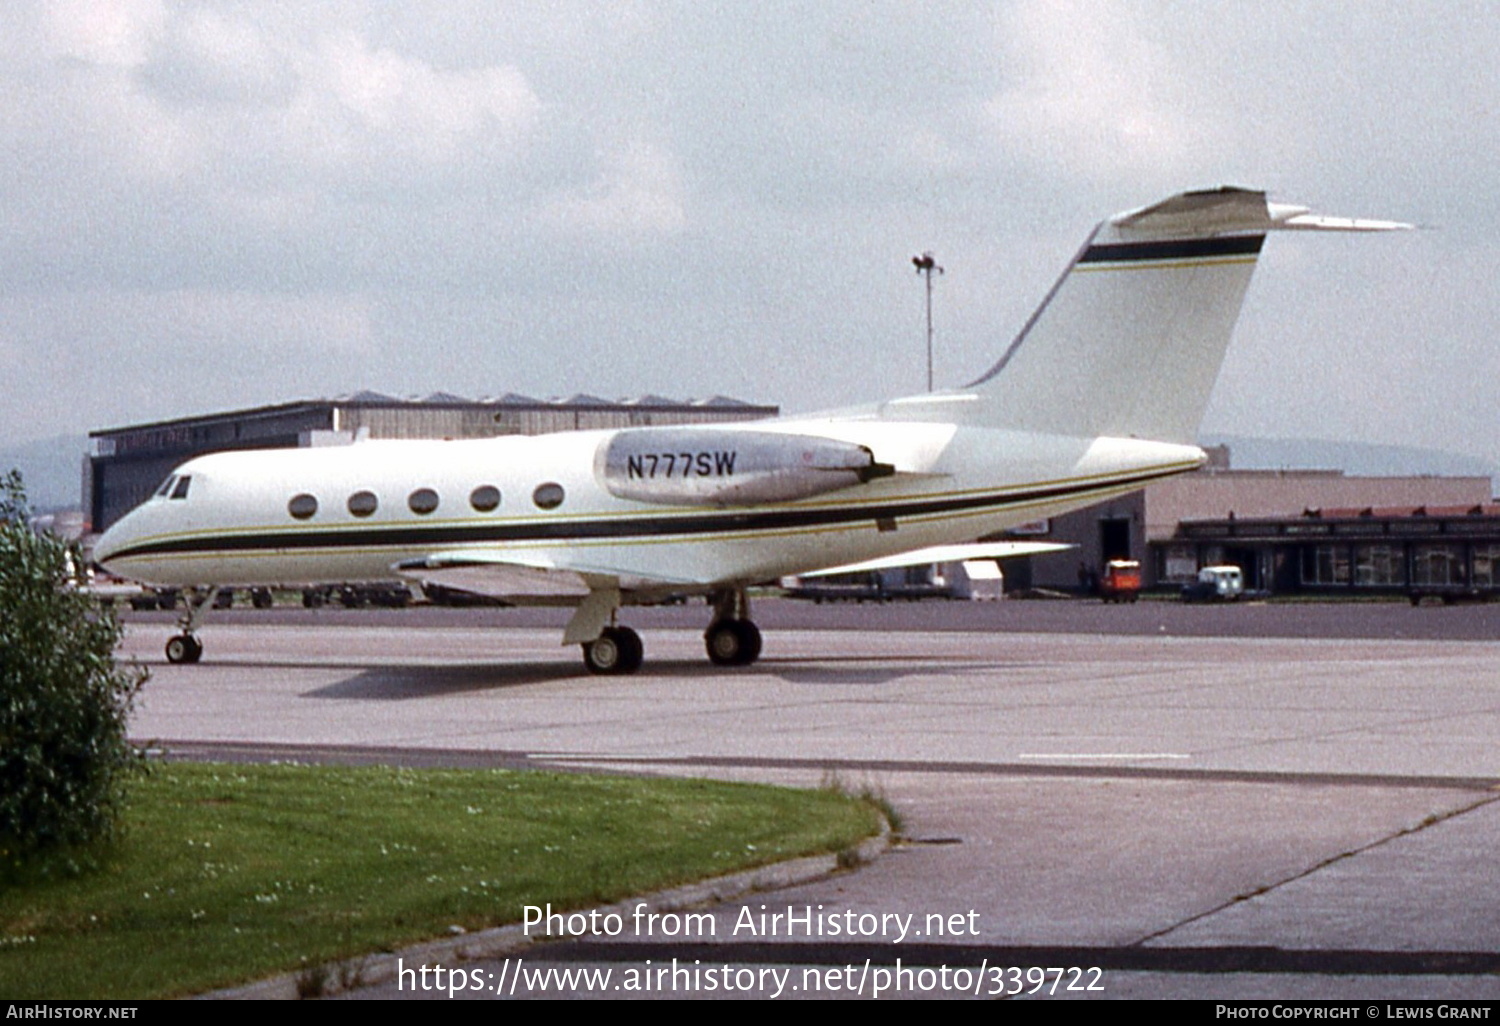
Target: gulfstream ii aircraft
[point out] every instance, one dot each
(1100, 393)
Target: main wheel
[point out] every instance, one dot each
(618, 650)
(630, 643)
(184, 648)
(732, 643)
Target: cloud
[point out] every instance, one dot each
(94, 357)
(137, 93)
(638, 192)
(362, 102)
(115, 33)
(1088, 89)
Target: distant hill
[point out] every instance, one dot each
(52, 469)
(1246, 453)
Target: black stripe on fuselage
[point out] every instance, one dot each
(419, 536)
(1172, 249)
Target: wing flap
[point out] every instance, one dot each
(945, 554)
(519, 575)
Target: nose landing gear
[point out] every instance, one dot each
(185, 647)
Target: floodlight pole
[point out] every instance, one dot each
(925, 264)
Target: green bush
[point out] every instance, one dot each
(64, 756)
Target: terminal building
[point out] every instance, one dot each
(125, 465)
(1311, 531)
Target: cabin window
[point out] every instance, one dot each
(362, 504)
(166, 486)
(302, 506)
(549, 495)
(181, 489)
(422, 501)
(485, 498)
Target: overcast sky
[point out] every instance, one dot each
(217, 205)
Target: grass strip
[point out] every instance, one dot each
(229, 873)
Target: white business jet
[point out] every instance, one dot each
(1100, 394)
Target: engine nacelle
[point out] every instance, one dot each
(694, 467)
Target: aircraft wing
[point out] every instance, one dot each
(945, 554)
(502, 574)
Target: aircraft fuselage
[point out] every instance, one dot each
(354, 512)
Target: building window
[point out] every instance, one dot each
(1377, 566)
(302, 506)
(422, 501)
(549, 495)
(1325, 564)
(1179, 564)
(1437, 565)
(1486, 565)
(362, 504)
(485, 498)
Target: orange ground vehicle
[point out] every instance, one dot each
(1121, 581)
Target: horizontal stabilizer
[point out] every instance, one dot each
(1229, 209)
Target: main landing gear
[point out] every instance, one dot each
(732, 642)
(732, 639)
(617, 650)
(185, 647)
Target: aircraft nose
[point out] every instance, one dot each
(109, 544)
(106, 547)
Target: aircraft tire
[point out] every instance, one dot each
(618, 650)
(635, 651)
(184, 648)
(732, 643)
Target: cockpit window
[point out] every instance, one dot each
(181, 490)
(166, 486)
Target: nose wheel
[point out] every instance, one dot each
(184, 648)
(616, 651)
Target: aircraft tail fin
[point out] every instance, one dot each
(1129, 341)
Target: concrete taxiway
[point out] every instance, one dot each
(1197, 816)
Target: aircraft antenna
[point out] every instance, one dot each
(925, 265)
